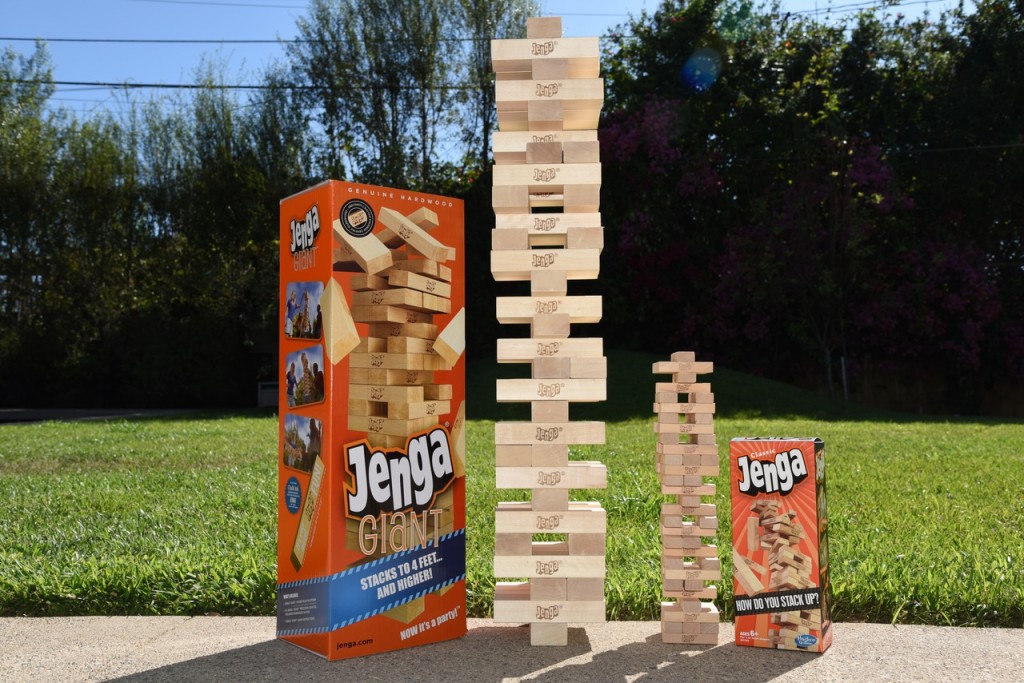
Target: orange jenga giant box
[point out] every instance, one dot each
(780, 544)
(371, 488)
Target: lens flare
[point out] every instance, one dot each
(702, 69)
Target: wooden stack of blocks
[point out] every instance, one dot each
(686, 457)
(401, 282)
(547, 183)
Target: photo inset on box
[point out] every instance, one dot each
(303, 318)
(304, 376)
(302, 439)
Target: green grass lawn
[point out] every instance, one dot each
(177, 516)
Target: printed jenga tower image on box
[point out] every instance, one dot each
(547, 182)
(686, 457)
(780, 543)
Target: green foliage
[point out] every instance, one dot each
(816, 191)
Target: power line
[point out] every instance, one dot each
(215, 86)
(187, 41)
(223, 4)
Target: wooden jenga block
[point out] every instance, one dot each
(424, 218)
(526, 349)
(509, 147)
(513, 455)
(522, 309)
(549, 283)
(564, 433)
(550, 367)
(588, 368)
(340, 334)
(451, 342)
(550, 499)
(551, 326)
(580, 152)
(577, 475)
(579, 390)
(549, 635)
(547, 177)
(368, 252)
(399, 229)
(544, 153)
(509, 240)
(560, 565)
(577, 263)
(421, 283)
(427, 267)
(544, 115)
(543, 27)
(383, 313)
(548, 589)
(512, 544)
(581, 517)
(517, 58)
(548, 411)
(361, 282)
(510, 199)
(578, 237)
(581, 198)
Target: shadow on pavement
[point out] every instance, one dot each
(488, 655)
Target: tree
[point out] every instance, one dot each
(379, 77)
(482, 21)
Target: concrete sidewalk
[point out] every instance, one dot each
(244, 649)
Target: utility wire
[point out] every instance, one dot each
(213, 86)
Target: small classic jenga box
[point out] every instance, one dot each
(371, 488)
(780, 544)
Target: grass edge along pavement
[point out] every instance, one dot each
(177, 516)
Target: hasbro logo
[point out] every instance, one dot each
(805, 640)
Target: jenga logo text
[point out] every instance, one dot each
(376, 393)
(549, 478)
(401, 478)
(548, 348)
(544, 175)
(548, 434)
(548, 568)
(304, 232)
(548, 523)
(544, 260)
(545, 224)
(377, 360)
(549, 390)
(770, 476)
(546, 307)
(549, 90)
(544, 138)
(548, 613)
(543, 48)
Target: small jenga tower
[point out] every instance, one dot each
(547, 183)
(686, 456)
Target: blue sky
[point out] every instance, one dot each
(227, 20)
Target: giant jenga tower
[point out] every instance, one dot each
(547, 182)
(686, 456)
